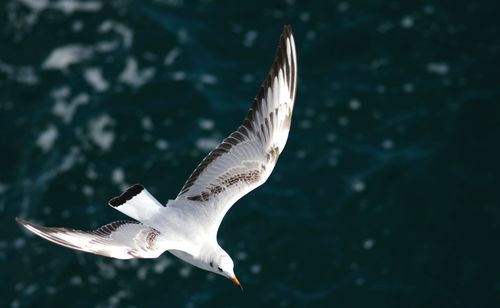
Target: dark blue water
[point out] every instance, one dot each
(385, 196)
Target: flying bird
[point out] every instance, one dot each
(187, 226)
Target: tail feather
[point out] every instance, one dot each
(137, 203)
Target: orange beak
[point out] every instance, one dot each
(237, 282)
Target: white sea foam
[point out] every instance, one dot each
(47, 138)
(172, 3)
(3, 188)
(135, 77)
(94, 77)
(77, 26)
(66, 6)
(305, 124)
(179, 75)
(331, 137)
(305, 16)
(115, 300)
(407, 22)
(387, 144)
(368, 243)
(61, 93)
(106, 270)
(172, 56)
(29, 290)
(67, 163)
(72, 6)
(90, 172)
(142, 272)
(161, 144)
(207, 144)
(208, 79)
(250, 38)
(161, 264)
(358, 186)
(206, 124)
(354, 104)
(118, 176)
(22, 74)
(343, 120)
(241, 255)
(106, 46)
(19, 243)
(62, 57)
(182, 35)
(125, 32)
(100, 133)
(87, 191)
(301, 154)
(438, 68)
(408, 87)
(247, 78)
(75, 280)
(185, 271)
(147, 123)
(66, 110)
(342, 6)
(36, 5)
(429, 9)
(256, 269)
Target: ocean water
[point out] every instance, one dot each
(386, 194)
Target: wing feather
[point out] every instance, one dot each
(119, 239)
(245, 159)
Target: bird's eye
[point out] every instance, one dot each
(211, 264)
(220, 269)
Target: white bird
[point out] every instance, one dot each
(187, 226)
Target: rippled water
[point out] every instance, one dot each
(385, 196)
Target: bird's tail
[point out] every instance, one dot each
(137, 203)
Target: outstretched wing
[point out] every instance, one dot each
(245, 159)
(119, 239)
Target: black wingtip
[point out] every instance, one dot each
(25, 223)
(127, 195)
(287, 30)
(21, 221)
(285, 34)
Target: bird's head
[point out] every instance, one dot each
(224, 265)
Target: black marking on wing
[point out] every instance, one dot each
(248, 177)
(248, 127)
(151, 239)
(226, 145)
(273, 155)
(102, 236)
(106, 230)
(127, 195)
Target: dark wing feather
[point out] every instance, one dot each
(119, 239)
(245, 159)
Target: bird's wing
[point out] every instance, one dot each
(119, 239)
(245, 159)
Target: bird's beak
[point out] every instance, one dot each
(236, 282)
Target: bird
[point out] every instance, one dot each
(187, 226)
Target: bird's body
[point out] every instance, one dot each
(187, 226)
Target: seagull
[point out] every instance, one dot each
(187, 226)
